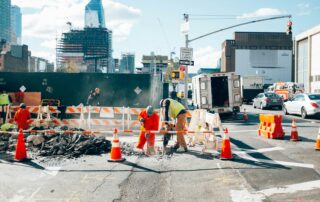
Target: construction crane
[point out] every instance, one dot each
(187, 40)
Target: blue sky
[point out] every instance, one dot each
(142, 26)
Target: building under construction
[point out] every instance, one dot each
(87, 50)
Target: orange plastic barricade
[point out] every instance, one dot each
(271, 126)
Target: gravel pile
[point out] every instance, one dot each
(68, 145)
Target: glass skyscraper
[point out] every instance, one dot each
(5, 27)
(16, 25)
(94, 14)
(127, 63)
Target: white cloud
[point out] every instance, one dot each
(304, 9)
(205, 57)
(29, 3)
(48, 44)
(44, 54)
(49, 19)
(261, 12)
(120, 18)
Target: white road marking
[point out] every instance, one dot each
(244, 155)
(248, 151)
(289, 189)
(284, 163)
(52, 170)
(245, 195)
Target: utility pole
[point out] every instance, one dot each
(186, 19)
(153, 64)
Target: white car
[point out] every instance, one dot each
(303, 104)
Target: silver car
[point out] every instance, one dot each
(267, 100)
(303, 104)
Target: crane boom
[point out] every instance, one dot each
(237, 25)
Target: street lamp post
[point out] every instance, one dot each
(186, 19)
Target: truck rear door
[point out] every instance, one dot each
(235, 98)
(205, 92)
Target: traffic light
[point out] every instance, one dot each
(177, 74)
(181, 76)
(289, 27)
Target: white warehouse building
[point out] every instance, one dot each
(264, 54)
(307, 60)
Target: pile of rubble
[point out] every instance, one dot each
(58, 144)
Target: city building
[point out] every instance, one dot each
(307, 60)
(267, 54)
(5, 23)
(87, 50)
(37, 64)
(15, 59)
(16, 25)
(127, 63)
(116, 65)
(94, 14)
(154, 63)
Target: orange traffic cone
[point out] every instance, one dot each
(294, 132)
(115, 154)
(245, 115)
(21, 152)
(317, 146)
(226, 152)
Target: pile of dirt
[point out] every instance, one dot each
(58, 144)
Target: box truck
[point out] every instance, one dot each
(219, 92)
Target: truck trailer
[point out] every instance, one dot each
(219, 92)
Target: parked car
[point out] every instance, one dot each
(267, 100)
(303, 104)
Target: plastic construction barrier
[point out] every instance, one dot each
(271, 126)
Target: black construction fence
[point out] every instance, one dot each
(130, 90)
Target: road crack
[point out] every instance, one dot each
(104, 180)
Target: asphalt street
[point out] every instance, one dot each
(261, 170)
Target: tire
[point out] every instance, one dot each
(285, 111)
(254, 106)
(303, 113)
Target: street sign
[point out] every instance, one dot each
(186, 54)
(185, 27)
(186, 62)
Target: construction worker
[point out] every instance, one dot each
(149, 121)
(4, 101)
(93, 98)
(22, 116)
(176, 111)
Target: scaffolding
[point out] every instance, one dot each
(89, 47)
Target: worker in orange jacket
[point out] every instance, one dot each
(149, 121)
(22, 116)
